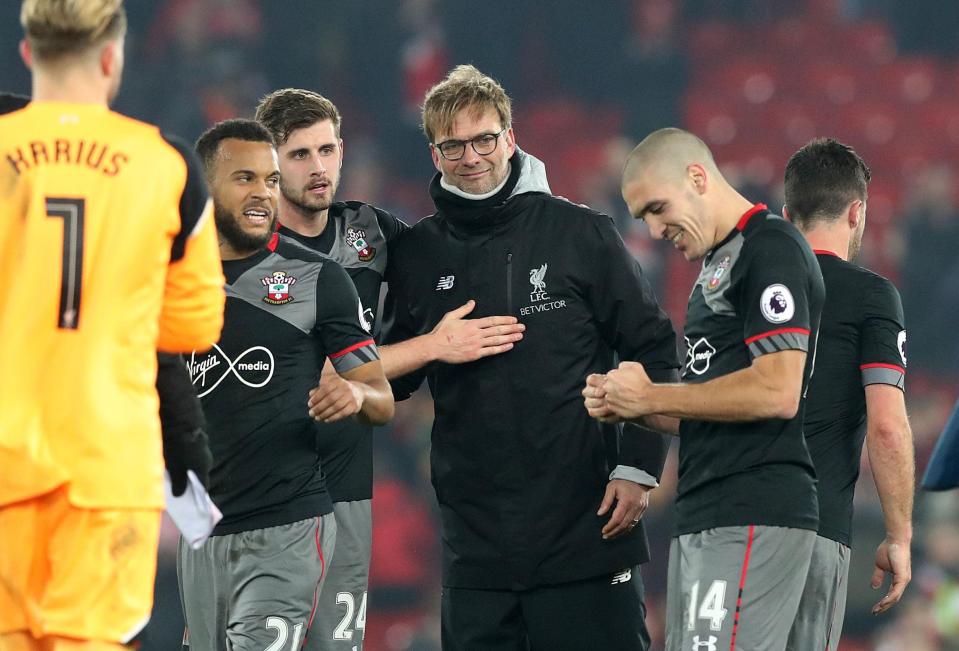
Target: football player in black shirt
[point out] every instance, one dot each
(855, 394)
(256, 582)
(746, 507)
(358, 236)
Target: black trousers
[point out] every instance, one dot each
(605, 612)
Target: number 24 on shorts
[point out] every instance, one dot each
(342, 630)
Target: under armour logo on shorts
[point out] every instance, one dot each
(708, 645)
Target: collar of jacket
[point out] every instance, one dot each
(527, 175)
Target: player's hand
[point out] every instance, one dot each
(628, 391)
(335, 398)
(631, 501)
(457, 339)
(892, 557)
(594, 397)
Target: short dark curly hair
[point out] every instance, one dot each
(208, 144)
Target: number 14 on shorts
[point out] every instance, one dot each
(710, 608)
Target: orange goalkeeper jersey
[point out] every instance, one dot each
(107, 252)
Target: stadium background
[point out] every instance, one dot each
(755, 78)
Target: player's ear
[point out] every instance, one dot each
(697, 175)
(26, 53)
(111, 57)
(855, 213)
(786, 214)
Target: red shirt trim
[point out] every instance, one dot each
(368, 342)
(892, 367)
(801, 331)
(274, 240)
(759, 207)
(825, 252)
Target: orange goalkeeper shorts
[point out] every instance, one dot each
(72, 572)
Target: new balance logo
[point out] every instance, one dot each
(707, 645)
(445, 283)
(622, 577)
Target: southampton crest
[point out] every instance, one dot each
(356, 238)
(278, 288)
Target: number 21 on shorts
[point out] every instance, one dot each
(710, 608)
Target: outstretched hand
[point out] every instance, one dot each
(458, 340)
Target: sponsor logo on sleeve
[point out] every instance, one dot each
(901, 344)
(698, 355)
(777, 304)
(366, 324)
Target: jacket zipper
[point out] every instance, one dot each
(509, 282)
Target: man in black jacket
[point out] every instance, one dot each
(523, 476)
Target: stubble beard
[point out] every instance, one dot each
(304, 204)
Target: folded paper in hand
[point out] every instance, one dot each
(193, 512)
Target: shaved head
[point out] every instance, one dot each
(667, 153)
(671, 182)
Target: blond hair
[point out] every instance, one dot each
(58, 27)
(465, 87)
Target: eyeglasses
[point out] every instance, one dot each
(483, 144)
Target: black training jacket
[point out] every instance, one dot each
(518, 465)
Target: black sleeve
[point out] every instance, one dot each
(180, 409)
(340, 321)
(397, 327)
(185, 444)
(632, 323)
(882, 347)
(774, 294)
(194, 198)
(390, 225)
(625, 308)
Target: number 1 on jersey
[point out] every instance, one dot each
(70, 210)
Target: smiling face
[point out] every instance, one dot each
(310, 160)
(673, 209)
(244, 186)
(475, 173)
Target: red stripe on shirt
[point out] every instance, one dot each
(825, 252)
(801, 331)
(742, 586)
(892, 367)
(274, 240)
(368, 342)
(748, 214)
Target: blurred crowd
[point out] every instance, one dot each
(589, 80)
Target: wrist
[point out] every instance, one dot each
(427, 347)
(900, 537)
